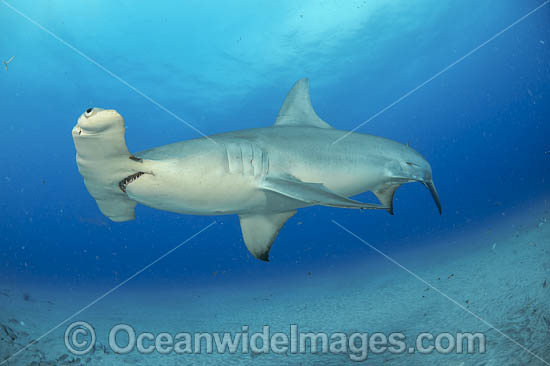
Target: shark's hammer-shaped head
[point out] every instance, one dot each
(98, 121)
(406, 165)
(105, 162)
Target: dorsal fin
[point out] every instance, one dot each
(297, 109)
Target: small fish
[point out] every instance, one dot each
(7, 62)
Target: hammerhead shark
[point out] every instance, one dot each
(263, 174)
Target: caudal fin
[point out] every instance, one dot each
(431, 187)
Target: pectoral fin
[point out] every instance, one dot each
(260, 230)
(313, 193)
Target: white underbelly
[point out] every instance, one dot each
(199, 191)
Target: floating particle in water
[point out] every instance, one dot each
(541, 41)
(7, 62)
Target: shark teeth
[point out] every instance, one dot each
(129, 179)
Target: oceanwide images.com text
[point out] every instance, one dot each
(80, 339)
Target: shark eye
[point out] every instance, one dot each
(411, 164)
(89, 112)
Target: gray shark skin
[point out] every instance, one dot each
(264, 175)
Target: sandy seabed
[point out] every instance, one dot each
(494, 282)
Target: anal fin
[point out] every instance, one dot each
(260, 230)
(385, 195)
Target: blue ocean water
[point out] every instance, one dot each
(482, 123)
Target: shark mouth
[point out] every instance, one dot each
(129, 179)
